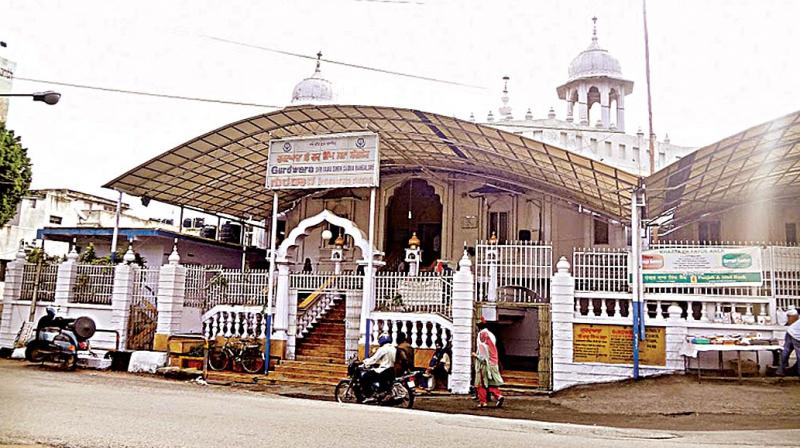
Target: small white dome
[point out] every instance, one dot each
(594, 61)
(313, 90)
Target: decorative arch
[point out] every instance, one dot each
(440, 188)
(303, 230)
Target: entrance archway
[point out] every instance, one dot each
(414, 207)
(303, 229)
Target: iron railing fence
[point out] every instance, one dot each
(48, 276)
(426, 292)
(520, 270)
(93, 284)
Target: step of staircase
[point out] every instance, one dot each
(520, 379)
(275, 377)
(319, 354)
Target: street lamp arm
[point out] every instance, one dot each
(49, 97)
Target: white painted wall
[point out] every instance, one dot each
(101, 314)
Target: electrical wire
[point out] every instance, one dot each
(342, 63)
(156, 95)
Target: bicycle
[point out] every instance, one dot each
(247, 353)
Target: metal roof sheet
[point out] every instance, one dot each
(224, 170)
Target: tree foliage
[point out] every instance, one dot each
(15, 173)
(89, 256)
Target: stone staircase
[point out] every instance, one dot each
(319, 355)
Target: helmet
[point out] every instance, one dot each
(384, 339)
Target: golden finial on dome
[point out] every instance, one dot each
(493, 239)
(414, 242)
(339, 241)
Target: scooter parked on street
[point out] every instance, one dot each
(58, 339)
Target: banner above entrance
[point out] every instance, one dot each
(702, 266)
(345, 160)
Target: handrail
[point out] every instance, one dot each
(309, 301)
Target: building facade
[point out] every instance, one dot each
(61, 208)
(594, 124)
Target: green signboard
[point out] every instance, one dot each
(704, 266)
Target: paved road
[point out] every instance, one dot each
(82, 409)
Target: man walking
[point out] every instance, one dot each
(791, 342)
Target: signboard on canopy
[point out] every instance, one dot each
(347, 160)
(702, 266)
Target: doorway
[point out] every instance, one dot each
(414, 207)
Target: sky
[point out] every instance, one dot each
(717, 66)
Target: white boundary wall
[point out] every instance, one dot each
(565, 315)
(567, 373)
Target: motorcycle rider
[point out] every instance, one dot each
(404, 357)
(381, 367)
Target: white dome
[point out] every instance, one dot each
(594, 61)
(313, 90)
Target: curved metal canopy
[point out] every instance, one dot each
(224, 170)
(759, 164)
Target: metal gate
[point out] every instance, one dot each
(143, 318)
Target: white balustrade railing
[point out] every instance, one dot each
(307, 317)
(731, 310)
(234, 321)
(426, 292)
(425, 330)
(317, 292)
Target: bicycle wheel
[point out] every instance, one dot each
(218, 359)
(345, 393)
(252, 361)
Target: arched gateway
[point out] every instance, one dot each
(305, 226)
(328, 298)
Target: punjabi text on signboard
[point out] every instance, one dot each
(327, 161)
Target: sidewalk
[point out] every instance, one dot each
(667, 403)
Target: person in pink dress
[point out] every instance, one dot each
(487, 367)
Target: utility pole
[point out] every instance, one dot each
(652, 151)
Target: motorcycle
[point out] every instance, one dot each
(353, 389)
(58, 339)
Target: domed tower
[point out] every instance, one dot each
(313, 90)
(596, 77)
